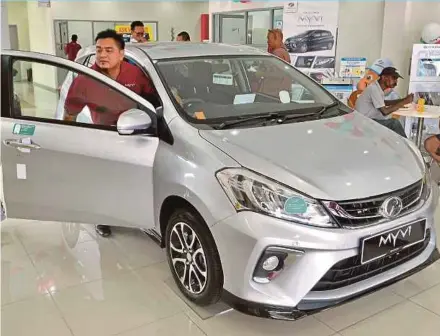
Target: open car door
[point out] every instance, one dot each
(71, 171)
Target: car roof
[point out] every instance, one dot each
(168, 50)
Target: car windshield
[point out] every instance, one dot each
(214, 88)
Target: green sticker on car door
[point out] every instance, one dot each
(23, 129)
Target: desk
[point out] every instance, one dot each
(431, 112)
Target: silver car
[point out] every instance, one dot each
(264, 189)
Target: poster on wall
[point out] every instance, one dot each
(310, 31)
(425, 63)
(125, 31)
(352, 67)
(425, 82)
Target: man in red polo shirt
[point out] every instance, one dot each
(71, 49)
(105, 104)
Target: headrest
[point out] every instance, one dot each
(220, 67)
(201, 73)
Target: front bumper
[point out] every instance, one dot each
(242, 238)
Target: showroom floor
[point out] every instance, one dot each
(60, 279)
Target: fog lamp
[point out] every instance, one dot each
(273, 262)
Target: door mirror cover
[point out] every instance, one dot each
(133, 121)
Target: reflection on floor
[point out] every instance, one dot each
(62, 280)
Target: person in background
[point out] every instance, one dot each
(107, 105)
(371, 103)
(432, 146)
(276, 46)
(183, 37)
(72, 48)
(137, 32)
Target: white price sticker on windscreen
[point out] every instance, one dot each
(222, 79)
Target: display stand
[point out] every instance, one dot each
(424, 83)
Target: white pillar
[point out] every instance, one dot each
(5, 42)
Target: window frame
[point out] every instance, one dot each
(8, 62)
(216, 22)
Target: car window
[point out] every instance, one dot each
(81, 96)
(231, 87)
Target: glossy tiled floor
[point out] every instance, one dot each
(62, 280)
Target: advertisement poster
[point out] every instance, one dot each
(310, 32)
(425, 63)
(352, 67)
(125, 31)
(425, 83)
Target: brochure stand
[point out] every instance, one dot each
(425, 83)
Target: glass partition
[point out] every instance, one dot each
(248, 27)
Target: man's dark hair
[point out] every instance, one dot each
(184, 35)
(135, 24)
(110, 33)
(74, 37)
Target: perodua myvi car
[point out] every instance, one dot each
(262, 187)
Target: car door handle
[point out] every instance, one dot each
(20, 145)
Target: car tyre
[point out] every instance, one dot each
(193, 258)
(330, 46)
(303, 48)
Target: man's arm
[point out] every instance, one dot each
(381, 104)
(148, 90)
(75, 100)
(393, 102)
(386, 110)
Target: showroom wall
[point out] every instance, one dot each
(17, 15)
(181, 15)
(372, 29)
(359, 28)
(403, 25)
(4, 27)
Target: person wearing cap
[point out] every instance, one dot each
(371, 103)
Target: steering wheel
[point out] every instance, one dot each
(187, 102)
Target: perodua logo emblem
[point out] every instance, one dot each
(391, 207)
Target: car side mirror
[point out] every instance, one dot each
(133, 121)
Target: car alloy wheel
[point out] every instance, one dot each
(188, 258)
(330, 46)
(303, 48)
(193, 257)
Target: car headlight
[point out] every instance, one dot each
(427, 185)
(249, 191)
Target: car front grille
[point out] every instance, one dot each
(350, 271)
(363, 212)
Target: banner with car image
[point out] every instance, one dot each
(310, 31)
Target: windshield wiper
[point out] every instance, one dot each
(326, 108)
(279, 117)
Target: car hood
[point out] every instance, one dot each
(342, 158)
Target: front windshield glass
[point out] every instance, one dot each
(225, 87)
